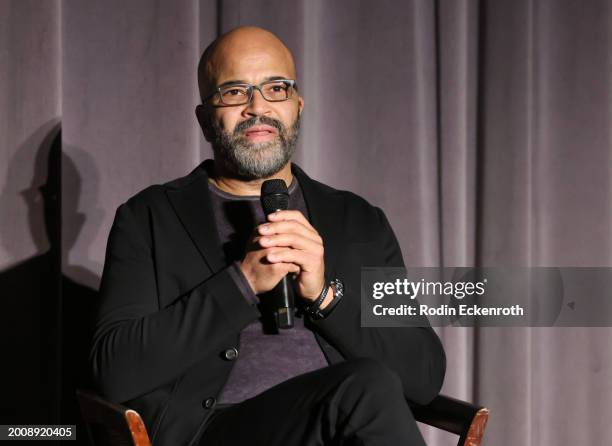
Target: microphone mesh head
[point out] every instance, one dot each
(274, 196)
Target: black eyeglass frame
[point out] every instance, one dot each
(250, 88)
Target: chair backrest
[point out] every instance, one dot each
(111, 424)
(452, 415)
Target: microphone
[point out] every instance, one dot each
(275, 197)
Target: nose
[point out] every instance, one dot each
(258, 105)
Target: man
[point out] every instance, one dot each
(188, 264)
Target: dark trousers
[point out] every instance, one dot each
(358, 402)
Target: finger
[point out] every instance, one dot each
(285, 268)
(304, 260)
(290, 215)
(295, 241)
(262, 253)
(293, 268)
(289, 227)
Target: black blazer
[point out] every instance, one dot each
(170, 309)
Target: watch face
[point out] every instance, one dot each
(337, 286)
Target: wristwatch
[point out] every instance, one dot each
(315, 311)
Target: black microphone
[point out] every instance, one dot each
(275, 197)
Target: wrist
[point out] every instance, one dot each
(328, 298)
(311, 299)
(245, 270)
(243, 285)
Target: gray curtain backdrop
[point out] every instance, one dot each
(482, 128)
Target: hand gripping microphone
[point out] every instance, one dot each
(275, 197)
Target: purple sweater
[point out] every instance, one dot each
(264, 360)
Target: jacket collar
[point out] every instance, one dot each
(191, 201)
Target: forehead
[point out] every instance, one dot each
(250, 62)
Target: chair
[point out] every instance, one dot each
(455, 416)
(113, 424)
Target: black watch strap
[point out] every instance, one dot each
(314, 310)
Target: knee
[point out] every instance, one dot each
(371, 376)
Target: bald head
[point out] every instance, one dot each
(241, 50)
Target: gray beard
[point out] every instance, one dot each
(247, 161)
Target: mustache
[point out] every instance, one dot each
(258, 120)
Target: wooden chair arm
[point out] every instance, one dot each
(456, 416)
(118, 424)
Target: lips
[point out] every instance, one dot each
(260, 133)
(260, 130)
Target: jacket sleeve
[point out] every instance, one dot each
(139, 346)
(414, 353)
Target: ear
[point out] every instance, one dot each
(300, 104)
(202, 115)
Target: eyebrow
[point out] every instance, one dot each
(239, 81)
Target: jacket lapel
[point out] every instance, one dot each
(193, 207)
(326, 212)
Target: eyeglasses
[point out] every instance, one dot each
(277, 90)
